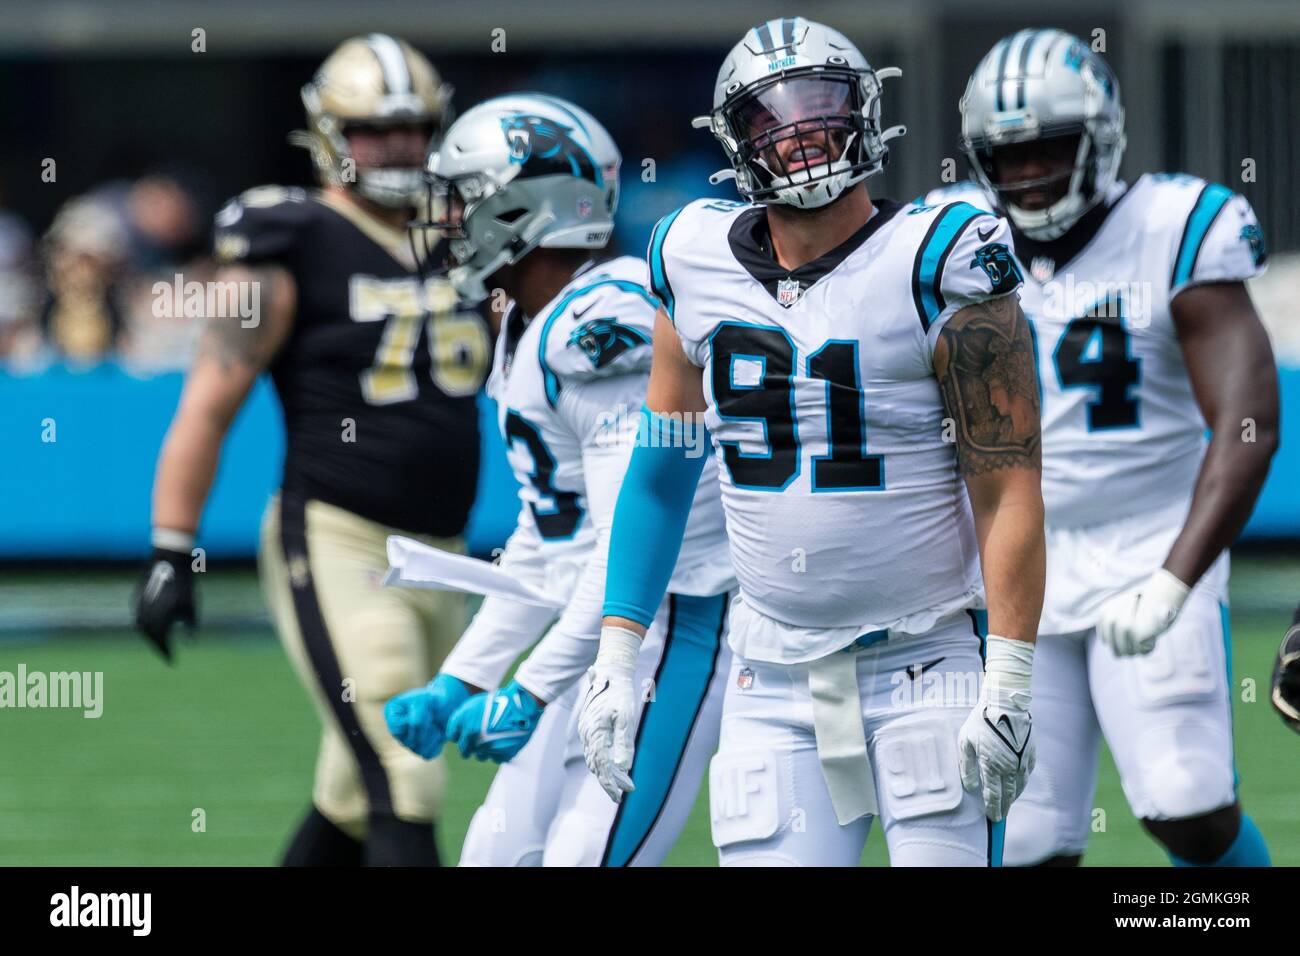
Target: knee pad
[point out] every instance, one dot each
(490, 842)
(576, 839)
(1180, 782)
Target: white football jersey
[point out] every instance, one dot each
(1122, 433)
(568, 386)
(598, 327)
(844, 505)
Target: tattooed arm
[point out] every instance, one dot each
(984, 361)
(229, 358)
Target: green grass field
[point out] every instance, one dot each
(228, 731)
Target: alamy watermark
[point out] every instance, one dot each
(55, 690)
(208, 300)
(625, 425)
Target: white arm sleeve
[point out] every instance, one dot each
(604, 414)
(503, 629)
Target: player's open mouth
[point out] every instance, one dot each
(806, 158)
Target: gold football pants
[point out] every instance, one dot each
(354, 645)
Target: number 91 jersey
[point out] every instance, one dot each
(844, 506)
(1122, 433)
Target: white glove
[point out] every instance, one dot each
(605, 721)
(995, 749)
(1130, 622)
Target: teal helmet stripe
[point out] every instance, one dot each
(927, 270)
(550, 380)
(1206, 210)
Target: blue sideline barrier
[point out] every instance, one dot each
(85, 494)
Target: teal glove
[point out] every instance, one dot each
(418, 718)
(495, 726)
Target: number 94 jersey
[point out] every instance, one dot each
(1122, 433)
(844, 506)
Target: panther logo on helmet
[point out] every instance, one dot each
(540, 145)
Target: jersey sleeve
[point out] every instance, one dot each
(599, 330)
(1221, 241)
(260, 225)
(607, 436)
(965, 257)
(503, 629)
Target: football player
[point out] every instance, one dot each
(377, 374)
(1146, 336)
(868, 381)
(530, 185)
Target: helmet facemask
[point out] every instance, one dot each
(375, 83)
(1080, 166)
(803, 137)
(1067, 96)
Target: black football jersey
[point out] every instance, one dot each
(379, 375)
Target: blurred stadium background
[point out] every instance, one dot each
(148, 135)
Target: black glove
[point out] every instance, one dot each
(164, 596)
(1286, 678)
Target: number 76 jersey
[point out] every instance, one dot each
(843, 502)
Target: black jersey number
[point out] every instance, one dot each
(753, 380)
(1095, 352)
(458, 343)
(561, 518)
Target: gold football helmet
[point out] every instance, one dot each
(374, 80)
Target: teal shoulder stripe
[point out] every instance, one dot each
(658, 274)
(1208, 206)
(549, 379)
(927, 270)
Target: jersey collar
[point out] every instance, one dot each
(1052, 257)
(751, 243)
(393, 241)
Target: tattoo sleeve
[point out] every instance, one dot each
(252, 341)
(984, 361)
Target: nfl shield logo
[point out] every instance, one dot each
(745, 679)
(1042, 268)
(787, 292)
(584, 207)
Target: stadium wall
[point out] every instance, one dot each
(81, 447)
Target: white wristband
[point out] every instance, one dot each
(170, 539)
(1008, 670)
(619, 648)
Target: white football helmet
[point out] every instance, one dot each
(797, 110)
(1036, 85)
(514, 173)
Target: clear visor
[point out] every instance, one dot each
(797, 122)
